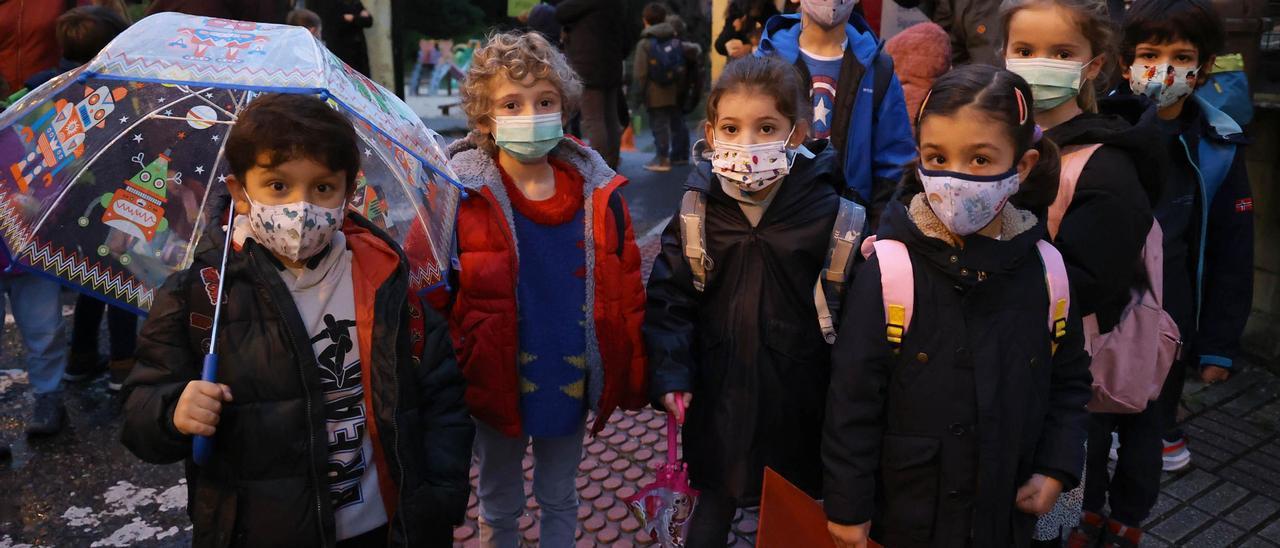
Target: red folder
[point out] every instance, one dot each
(789, 517)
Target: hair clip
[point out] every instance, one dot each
(924, 103)
(1022, 106)
(1037, 135)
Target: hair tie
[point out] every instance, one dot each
(1022, 106)
(1039, 134)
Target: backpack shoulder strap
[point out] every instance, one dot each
(693, 236)
(898, 286)
(1074, 158)
(1055, 278)
(846, 236)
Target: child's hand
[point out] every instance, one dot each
(1038, 495)
(849, 536)
(348, 17)
(1212, 373)
(669, 402)
(200, 407)
(736, 48)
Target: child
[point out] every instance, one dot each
(305, 18)
(960, 431)
(1205, 213)
(1061, 48)
(657, 77)
(338, 414)
(82, 32)
(741, 342)
(857, 100)
(547, 311)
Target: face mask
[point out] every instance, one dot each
(828, 13)
(751, 167)
(1053, 81)
(527, 138)
(1165, 84)
(296, 231)
(966, 203)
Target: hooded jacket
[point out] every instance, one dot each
(1221, 246)
(657, 95)
(749, 346)
(1104, 229)
(265, 484)
(483, 314)
(931, 444)
(871, 142)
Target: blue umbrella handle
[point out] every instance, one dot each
(202, 446)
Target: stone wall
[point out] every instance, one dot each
(1262, 335)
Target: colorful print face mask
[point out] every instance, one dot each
(296, 231)
(828, 13)
(751, 167)
(527, 138)
(966, 203)
(1165, 84)
(1053, 81)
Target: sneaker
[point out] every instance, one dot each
(1088, 534)
(83, 367)
(1120, 535)
(49, 415)
(1176, 455)
(119, 371)
(658, 165)
(1114, 452)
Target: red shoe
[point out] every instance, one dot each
(1120, 535)
(1089, 533)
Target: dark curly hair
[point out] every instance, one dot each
(287, 126)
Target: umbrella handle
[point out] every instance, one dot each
(673, 430)
(202, 446)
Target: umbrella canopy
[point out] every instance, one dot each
(106, 171)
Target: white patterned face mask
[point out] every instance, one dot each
(967, 203)
(1165, 84)
(295, 231)
(752, 167)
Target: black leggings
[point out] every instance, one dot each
(122, 325)
(712, 520)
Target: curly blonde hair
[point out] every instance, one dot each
(515, 55)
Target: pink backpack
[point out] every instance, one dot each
(898, 288)
(1131, 361)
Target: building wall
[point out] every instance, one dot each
(1262, 335)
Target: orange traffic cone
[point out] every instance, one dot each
(628, 140)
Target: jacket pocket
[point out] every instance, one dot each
(909, 471)
(796, 344)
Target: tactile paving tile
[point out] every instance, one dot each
(615, 464)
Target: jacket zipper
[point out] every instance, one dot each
(1204, 227)
(311, 435)
(395, 431)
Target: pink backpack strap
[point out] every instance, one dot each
(1074, 158)
(897, 284)
(1055, 278)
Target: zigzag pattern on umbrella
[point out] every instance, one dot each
(423, 277)
(124, 65)
(75, 268)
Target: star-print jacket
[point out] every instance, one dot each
(265, 484)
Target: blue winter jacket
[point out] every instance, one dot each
(876, 142)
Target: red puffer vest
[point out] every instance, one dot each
(482, 315)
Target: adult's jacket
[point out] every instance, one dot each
(483, 314)
(871, 141)
(265, 484)
(748, 347)
(346, 38)
(595, 40)
(1104, 229)
(28, 44)
(1222, 246)
(931, 444)
(260, 11)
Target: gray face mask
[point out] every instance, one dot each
(828, 13)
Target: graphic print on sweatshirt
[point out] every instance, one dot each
(344, 409)
(824, 74)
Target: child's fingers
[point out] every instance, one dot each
(226, 392)
(206, 404)
(205, 417)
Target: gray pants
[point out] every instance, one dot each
(501, 489)
(600, 125)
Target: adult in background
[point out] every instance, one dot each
(974, 27)
(595, 43)
(344, 33)
(27, 41)
(542, 18)
(743, 20)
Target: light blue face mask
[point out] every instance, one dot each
(1053, 81)
(528, 138)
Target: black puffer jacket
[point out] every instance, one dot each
(749, 348)
(595, 40)
(931, 444)
(1103, 231)
(265, 484)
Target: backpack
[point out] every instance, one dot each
(666, 61)
(897, 287)
(1227, 88)
(1131, 361)
(829, 288)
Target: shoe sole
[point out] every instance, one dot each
(114, 386)
(657, 169)
(1174, 465)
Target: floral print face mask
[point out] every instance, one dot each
(294, 231)
(752, 167)
(967, 203)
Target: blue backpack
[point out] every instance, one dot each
(666, 61)
(1227, 89)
